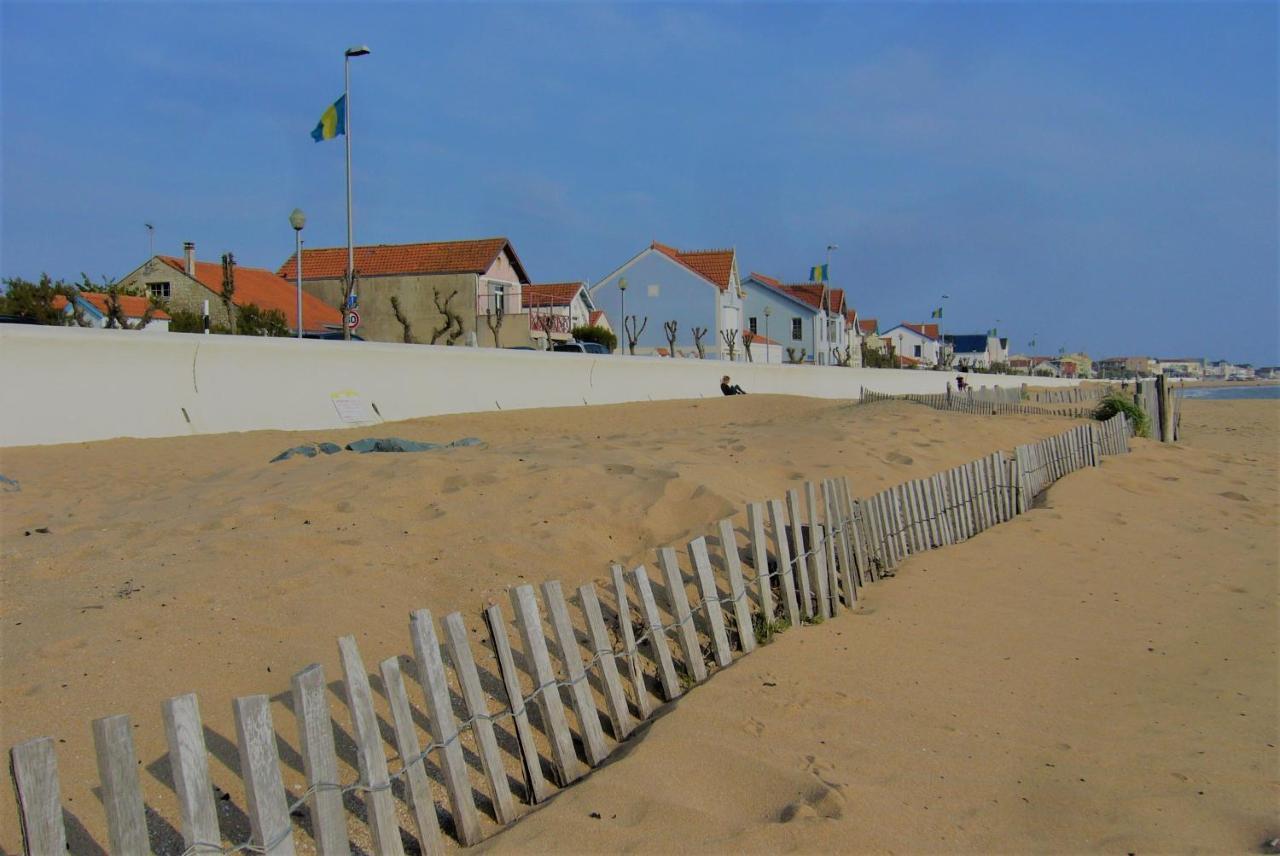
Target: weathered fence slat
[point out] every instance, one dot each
(678, 601)
(319, 761)
(269, 823)
(857, 531)
(818, 546)
(732, 564)
(657, 636)
(444, 727)
(537, 789)
(627, 634)
(121, 790)
(464, 666)
(760, 559)
(383, 825)
(35, 777)
(417, 782)
(584, 702)
(615, 698)
(546, 689)
(781, 549)
(189, 765)
(701, 563)
(800, 553)
(838, 526)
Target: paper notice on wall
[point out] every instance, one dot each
(353, 409)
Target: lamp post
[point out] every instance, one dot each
(358, 50)
(768, 310)
(622, 294)
(297, 220)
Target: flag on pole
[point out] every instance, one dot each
(333, 121)
(818, 273)
(1031, 344)
(937, 313)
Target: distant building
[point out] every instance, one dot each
(1267, 372)
(1120, 367)
(93, 309)
(919, 342)
(692, 288)
(810, 318)
(478, 281)
(186, 284)
(977, 350)
(1183, 367)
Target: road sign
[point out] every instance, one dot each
(353, 319)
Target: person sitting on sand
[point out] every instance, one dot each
(730, 388)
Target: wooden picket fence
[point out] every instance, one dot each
(983, 402)
(1068, 395)
(806, 556)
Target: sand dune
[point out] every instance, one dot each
(192, 564)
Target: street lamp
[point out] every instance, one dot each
(768, 310)
(297, 220)
(358, 50)
(622, 293)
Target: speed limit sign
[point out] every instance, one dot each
(353, 319)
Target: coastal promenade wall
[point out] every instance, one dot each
(65, 385)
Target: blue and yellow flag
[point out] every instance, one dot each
(333, 121)
(937, 313)
(818, 273)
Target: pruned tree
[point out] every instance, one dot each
(795, 359)
(730, 342)
(229, 289)
(842, 358)
(452, 329)
(494, 313)
(670, 327)
(407, 335)
(747, 338)
(116, 317)
(633, 332)
(698, 333)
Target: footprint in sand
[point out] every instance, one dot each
(899, 458)
(454, 483)
(821, 801)
(1231, 494)
(753, 726)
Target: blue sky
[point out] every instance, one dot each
(1103, 177)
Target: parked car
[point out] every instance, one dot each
(17, 319)
(331, 335)
(581, 348)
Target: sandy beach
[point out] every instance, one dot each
(1098, 675)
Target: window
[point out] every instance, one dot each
(497, 297)
(751, 325)
(653, 290)
(797, 329)
(158, 289)
(917, 350)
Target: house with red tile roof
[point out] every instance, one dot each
(810, 318)
(692, 288)
(92, 307)
(448, 292)
(555, 308)
(187, 284)
(919, 341)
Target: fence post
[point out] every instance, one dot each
(536, 786)
(35, 778)
(263, 785)
(121, 791)
(319, 761)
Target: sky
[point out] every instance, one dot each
(1098, 177)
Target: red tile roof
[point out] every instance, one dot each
(265, 290)
(133, 306)
(809, 293)
(927, 330)
(868, 325)
(597, 315)
(549, 293)
(758, 339)
(439, 257)
(713, 265)
(767, 280)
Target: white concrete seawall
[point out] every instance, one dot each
(65, 385)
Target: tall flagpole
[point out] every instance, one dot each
(360, 50)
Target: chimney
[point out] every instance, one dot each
(189, 258)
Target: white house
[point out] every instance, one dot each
(93, 308)
(555, 308)
(977, 350)
(916, 341)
